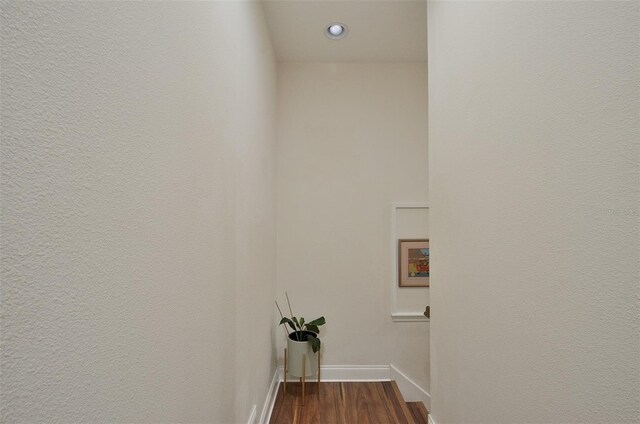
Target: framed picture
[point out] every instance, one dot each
(413, 263)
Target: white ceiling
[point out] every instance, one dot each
(379, 31)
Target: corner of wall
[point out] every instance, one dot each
(270, 400)
(411, 391)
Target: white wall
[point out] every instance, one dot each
(138, 211)
(534, 212)
(352, 139)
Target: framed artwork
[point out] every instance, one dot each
(413, 263)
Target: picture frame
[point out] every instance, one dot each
(413, 262)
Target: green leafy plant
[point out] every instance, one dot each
(301, 328)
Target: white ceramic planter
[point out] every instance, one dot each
(295, 351)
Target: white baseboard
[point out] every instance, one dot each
(252, 415)
(431, 421)
(410, 390)
(349, 373)
(270, 400)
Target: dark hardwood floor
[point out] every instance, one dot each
(343, 403)
(419, 412)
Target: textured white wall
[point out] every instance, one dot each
(138, 212)
(534, 212)
(352, 139)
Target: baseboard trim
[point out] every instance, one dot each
(410, 390)
(270, 400)
(349, 373)
(431, 421)
(252, 415)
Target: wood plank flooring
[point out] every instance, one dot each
(419, 412)
(342, 403)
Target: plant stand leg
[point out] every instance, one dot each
(318, 372)
(285, 370)
(304, 372)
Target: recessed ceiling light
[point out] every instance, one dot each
(336, 31)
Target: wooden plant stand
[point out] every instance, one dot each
(303, 379)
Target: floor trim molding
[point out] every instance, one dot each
(349, 373)
(270, 400)
(411, 391)
(252, 415)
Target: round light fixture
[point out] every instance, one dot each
(336, 31)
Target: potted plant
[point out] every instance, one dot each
(303, 344)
